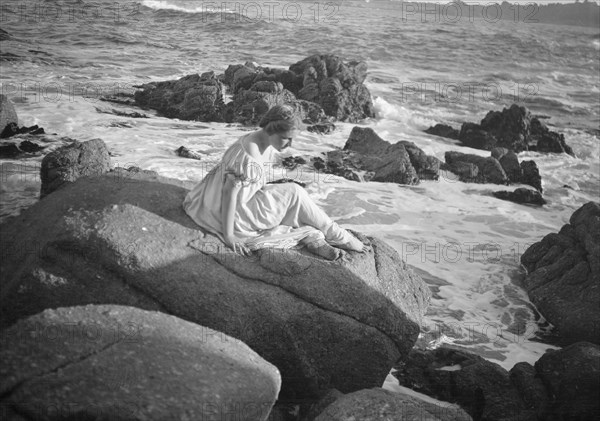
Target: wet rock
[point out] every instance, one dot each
(291, 162)
(9, 150)
(510, 163)
(27, 146)
(522, 195)
(13, 129)
(530, 387)
(379, 404)
(366, 152)
(249, 105)
(513, 128)
(480, 387)
(124, 238)
(572, 378)
(71, 162)
(336, 86)
(322, 128)
(474, 136)
(547, 141)
(563, 384)
(184, 152)
(193, 97)
(530, 175)
(122, 363)
(563, 279)
(7, 112)
(489, 169)
(426, 166)
(443, 130)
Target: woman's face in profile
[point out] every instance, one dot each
(283, 140)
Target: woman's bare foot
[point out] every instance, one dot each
(339, 237)
(320, 247)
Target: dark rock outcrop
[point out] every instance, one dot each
(522, 195)
(193, 97)
(184, 152)
(563, 276)
(480, 387)
(123, 238)
(321, 128)
(502, 167)
(7, 113)
(379, 404)
(367, 157)
(9, 150)
(443, 130)
(530, 175)
(547, 141)
(13, 129)
(572, 379)
(489, 170)
(336, 86)
(513, 128)
(122, 363)
(563, 384)
(67, 164)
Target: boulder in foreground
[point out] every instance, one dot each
(121, 363)
(67, 164)
(124, 238)
(563, 279)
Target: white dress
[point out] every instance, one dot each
(266, 215)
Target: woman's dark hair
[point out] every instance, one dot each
(280, 118)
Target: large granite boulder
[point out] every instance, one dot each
(67, 164)
(124, 238)
(8, 114)
(563, 384)
(193, 97)
(367, 157)
(121, 363)
(513, 128)
(383, 405)
(563, 276)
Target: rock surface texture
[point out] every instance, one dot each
(563, 279)
(121, 363)
(123, 238)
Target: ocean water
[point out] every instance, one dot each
(466, 244)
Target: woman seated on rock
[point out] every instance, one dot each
(235, 202)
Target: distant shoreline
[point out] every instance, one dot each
(452, 11)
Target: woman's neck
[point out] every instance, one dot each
(261, 139)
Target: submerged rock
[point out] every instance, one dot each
(124, 238)
(73, 161)
(122, 363)
(184, 152)
(522, 195)
(443, 130)
(563, 276)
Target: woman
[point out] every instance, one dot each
(235, 202)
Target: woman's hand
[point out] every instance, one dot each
(237, 245)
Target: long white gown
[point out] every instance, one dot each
(266, 215)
